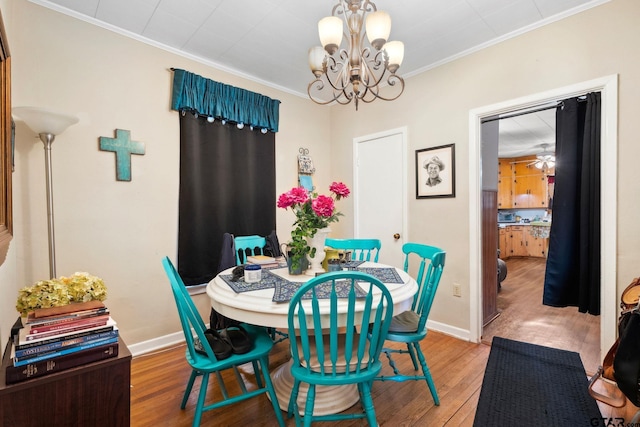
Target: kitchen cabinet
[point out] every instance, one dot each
(505, 184)
(518, 244)
(530, 188)
(505, 248)
(517, 240)
(536, 246)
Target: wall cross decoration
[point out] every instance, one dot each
(124, 147)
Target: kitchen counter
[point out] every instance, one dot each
(533, 223)
(541, 223)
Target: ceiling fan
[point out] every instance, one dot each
(545, 159)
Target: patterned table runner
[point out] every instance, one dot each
(384, 274)
(285, 291)
(269, 280)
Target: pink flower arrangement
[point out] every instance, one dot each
(313, 212)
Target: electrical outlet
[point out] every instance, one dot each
(457, 292)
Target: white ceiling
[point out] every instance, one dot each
(527, 134)
(267, 40)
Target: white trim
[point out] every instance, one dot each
(608, 87)
(222, 67)
(178, 52)
(156, 344)
(402, 131)
(448, 330)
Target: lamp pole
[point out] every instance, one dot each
(47, 140)
(47, 124)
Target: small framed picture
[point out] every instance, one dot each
(436, 172)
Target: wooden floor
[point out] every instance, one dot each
(524, 318)
(158, 380)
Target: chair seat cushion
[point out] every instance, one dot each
(406, 321)
(341, 363)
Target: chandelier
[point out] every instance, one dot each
(357, 72)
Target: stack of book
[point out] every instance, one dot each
(267, 261)
(59, 338)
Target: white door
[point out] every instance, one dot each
(380, 186)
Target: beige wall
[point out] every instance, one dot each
(8, 314)
(435, 108)
(120, 231)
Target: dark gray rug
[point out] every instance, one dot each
(530, 385)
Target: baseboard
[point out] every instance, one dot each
(459, 333)
(176, 338)
(155, 344)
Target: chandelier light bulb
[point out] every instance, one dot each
(224, 122)
(316, 60)
(395, 54)
(263, 130)
(211, 119)
(378, 28)
(240, 125)
(330, 31)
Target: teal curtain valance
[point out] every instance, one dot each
(209, 98)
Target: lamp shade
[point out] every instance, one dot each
(378, 27)
(41, 120)
(395, 53)
(316, 60)
(330, 31)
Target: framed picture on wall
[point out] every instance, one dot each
(436, 172)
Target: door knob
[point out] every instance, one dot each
(396, 236)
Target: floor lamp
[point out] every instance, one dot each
(47, 124)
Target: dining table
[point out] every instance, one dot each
(265, 303)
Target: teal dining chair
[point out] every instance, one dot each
(410, 327)
(362, 249)
(324, 315)
(207, 353)
(248, 246)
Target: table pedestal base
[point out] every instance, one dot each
(329, 399)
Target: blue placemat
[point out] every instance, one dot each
(285, 291)
(385, 275)
(269, 280)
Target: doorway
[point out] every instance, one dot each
(524, 204)
(607, 86)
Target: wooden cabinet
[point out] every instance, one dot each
(95, 394)
(518, 245)
(504, 244)
(521, 184)
(536, 246)
(529, 184)
(505, 184)
(517, 240)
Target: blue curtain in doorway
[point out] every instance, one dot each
(572, 277)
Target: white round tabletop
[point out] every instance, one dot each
(258, 308)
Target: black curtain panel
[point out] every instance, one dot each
(227, 185)
(572, 276)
